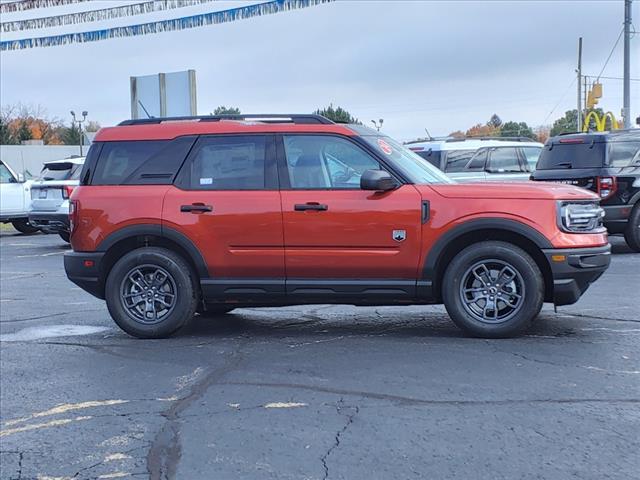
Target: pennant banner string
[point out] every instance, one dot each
(22, 5)
(98, 15)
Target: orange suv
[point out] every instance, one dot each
(205, 214)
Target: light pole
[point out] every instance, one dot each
(378, 124)
(79, 122)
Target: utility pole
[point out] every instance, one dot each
(79, 122)
(579, 71)
(626, 95)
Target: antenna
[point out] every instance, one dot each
(145, 110)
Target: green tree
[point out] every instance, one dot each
(565, 124)
(5, 134)
(495, 121)
(92, 126)
(70, 135)
(222, 110)
(516, 129)
(337, 114)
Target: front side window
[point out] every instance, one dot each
(5, 174)
(321, 161)
(531, 154)
(229, 163)
(504, 160)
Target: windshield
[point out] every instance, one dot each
(414, 167)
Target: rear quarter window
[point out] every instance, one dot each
(118, 160)
(624, 153)
(456, 160)
(430, 156)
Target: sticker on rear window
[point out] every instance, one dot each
(385, 147)
(206, 181)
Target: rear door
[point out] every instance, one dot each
(227, 203)
(341, 240)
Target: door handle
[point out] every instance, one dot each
(302, 207)
(196, 208)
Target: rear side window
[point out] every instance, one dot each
(118, 160)
(60, 171)
(624, 154)
(478, 162)
(571, 155)
(456, 160)
(531, 154)
(229, 163)
(504, 160)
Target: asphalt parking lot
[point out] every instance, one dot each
(314, 392)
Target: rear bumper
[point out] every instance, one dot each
(579, 269)
(616, 217)
(50, 222)
(83, 269)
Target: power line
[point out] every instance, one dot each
(560, 101)
(610, 54)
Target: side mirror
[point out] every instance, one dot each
(377, 180)
(20, 177)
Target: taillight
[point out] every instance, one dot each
(73, 211)
(66, 191)
(606, 186)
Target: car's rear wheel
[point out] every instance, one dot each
(66, 236)
(23, 226)
(150, 292)
(632, 232)
(493, 289)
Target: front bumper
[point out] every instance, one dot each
(83, 269)
(50, 222)
(574, 269)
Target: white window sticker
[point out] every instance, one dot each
(206, 181)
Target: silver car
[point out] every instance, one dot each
(50, 194)
(482, 159)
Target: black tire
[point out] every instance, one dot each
(215, 311)
(23, 226)
(632, 232)
(469, 297)
(66, 236)
(151, 263)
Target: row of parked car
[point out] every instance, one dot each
(607, 163)
(40, 204)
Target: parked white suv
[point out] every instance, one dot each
(15, 199)
(482, 159)
(50, 195)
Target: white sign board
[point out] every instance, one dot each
(164, 95)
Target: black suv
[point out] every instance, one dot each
(607, 163)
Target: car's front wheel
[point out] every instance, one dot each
(493, 289)
(23, 226)
(632, 232)
(151, 293)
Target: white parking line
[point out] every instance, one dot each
(41, 255)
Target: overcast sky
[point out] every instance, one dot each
(417, 64)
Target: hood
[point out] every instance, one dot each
(513, 190)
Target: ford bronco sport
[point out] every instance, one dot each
(174, 216)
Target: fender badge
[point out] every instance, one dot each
(399, 235)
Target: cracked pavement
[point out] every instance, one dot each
(313, 392)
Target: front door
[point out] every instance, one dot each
(11, 193)
(341, 240)
(227, 203)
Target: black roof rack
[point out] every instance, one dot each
(506, 139)
(304, 119)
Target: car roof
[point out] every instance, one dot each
(597, 137)
(169, 128)
(469, 144)
(76, 160)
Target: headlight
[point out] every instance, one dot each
(584, 217)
